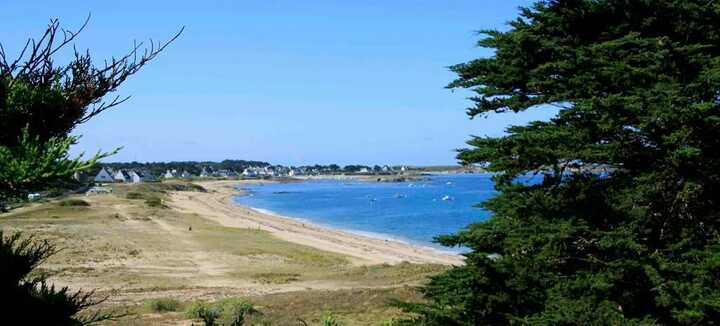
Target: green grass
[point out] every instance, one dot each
(253, 242)
(161, 305)
(386, 274)
(230, 311)
(276, 278)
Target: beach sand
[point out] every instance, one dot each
(217, 205)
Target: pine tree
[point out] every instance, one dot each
(40, 104)
(624, 227)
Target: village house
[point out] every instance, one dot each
(206, 172)
(138, 177)
(250, 172)
(122, 176)
(104, 175)
(170, 174)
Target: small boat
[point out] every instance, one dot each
(447, 198)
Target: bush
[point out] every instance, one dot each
(74, 202)
(162, 305)
(154, 202)
(134, 195)
(228, 312)
(235, 311)
(205, 312)
(27, 298)
(330, 320)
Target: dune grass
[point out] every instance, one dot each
(157, 261)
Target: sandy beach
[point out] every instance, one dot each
(216, 204)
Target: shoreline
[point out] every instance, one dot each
(217, 205)
(360, 233)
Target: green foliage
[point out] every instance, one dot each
(330, 320)
(49, 101)
(228, 312)
(74, 203)
(34, 164)
(40, 105)
(134, 195)
(209, 314)
(26, 296)
(236, 311)
(162, 305)
(153, 201)
(624, 225)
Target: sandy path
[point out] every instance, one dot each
(217, 205)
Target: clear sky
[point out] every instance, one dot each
(289, 82)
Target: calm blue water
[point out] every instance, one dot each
(409, 211)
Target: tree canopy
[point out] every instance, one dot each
(50, 100)
(624, 227)
(40, 104)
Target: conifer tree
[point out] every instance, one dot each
(40, 104)
(624, 227)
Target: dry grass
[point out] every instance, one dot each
(134, 252)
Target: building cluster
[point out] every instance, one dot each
(106, 175)
(205, 172)
(274, 171)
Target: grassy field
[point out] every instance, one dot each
(131, 247)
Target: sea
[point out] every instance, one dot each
(414, 212)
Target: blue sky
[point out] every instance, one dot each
(289, 82)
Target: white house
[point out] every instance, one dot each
(364, 170)
(105, 175)
(122, 176)
(169, 174)
(250, 172)
(186, 175)
(137, 177)
(206, 172)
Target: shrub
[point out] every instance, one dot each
(330, 320)
(74, 202)
(228, 312)
(235, 311)
(153, 201)
(205, 312)
(134, 195)
(27, 298)
(162, 305)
